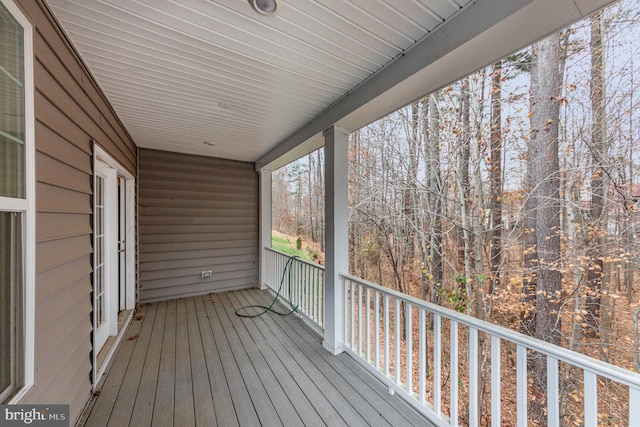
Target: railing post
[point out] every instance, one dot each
(265, 223)
(336, 235)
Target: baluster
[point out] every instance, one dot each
(634, 406)
(422, 331)
(453, 378)
(473, 377)
(590, 399)
(408, 355)
(553, 392)
(386, 336)
(495, 382)
(368, 323)
(521, 384)
(345, 291)
(360, 323)
(376, 329)
(396, 339)
(316, 296)
(437, 363)
(353, 313)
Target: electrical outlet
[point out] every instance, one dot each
(206, 274)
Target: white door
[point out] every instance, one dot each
(114, 287)
(106, 278)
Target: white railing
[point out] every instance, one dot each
(441, 360)
(301, 285)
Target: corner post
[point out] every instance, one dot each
(265, 223)
(336, 235)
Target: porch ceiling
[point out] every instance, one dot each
(179, 73)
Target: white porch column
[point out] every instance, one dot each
(336, 235)
(265, 222)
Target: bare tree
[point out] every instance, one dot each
(544, 202)
(495, 174)
(598, 147)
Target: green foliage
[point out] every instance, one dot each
(283, 245)
(457, 297)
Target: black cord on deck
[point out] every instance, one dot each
(270, 308)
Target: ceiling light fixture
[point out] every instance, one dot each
(265, 7)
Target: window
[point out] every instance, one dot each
(16, 204)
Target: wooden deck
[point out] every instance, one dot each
(193, 362)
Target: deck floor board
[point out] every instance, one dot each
(165, 396)
(223, 405)
(184, 409)
(194, 362)
(264, 369)
(112, 386)
(204, 408)
(311, 405)
(145, 398)
(123, 407)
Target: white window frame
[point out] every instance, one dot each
(27, 208)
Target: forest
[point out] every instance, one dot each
(510, 195)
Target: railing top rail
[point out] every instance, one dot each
(587, 363)
(312, 264)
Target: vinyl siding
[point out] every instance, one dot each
(196, 213)
(70, 112)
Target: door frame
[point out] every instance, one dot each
(108, 251)
(128, 288)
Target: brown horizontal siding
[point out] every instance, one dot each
(50, 196)
(54, 172)
(60, 80)
(198, 164)
(54, 253)
(157, 205)
(190, 271)
(204, 212)
(49, 316)
(199, 245)
(57, 147)
(56, 279)
(58, 386)
(183, 194)
(200, 173)
(250, 259)
(227, 223)
(196, 214)
(183, 254)
(221, 188)
(230, 280)
(195, 237)
(196, 227)
(202, 288)
(70, 112)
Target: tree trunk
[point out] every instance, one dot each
(495, 174)
(434, 195)
(465, 237)
(596, 229)
(409, 192)
(544, 203)
(478, 199)
(464, 153)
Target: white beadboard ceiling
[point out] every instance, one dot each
(180, 73)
